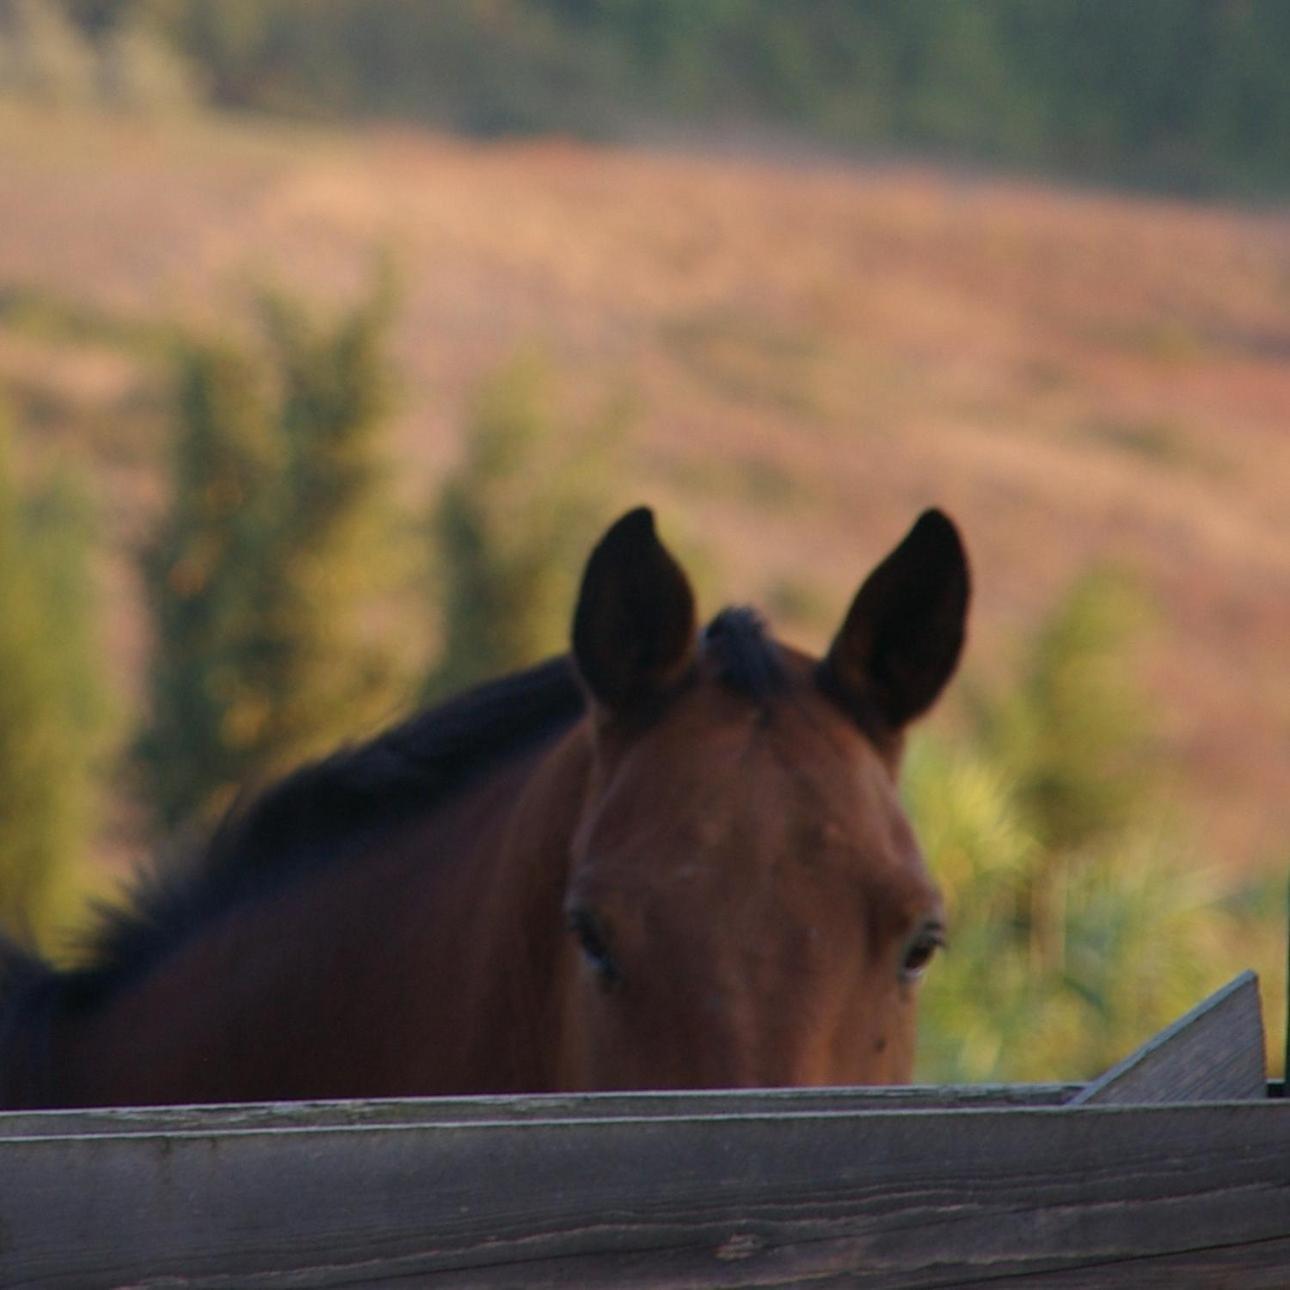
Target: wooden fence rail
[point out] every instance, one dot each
(911, 1187)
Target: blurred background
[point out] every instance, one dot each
(332, 332)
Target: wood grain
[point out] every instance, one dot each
(397, 1112)
(1216, 1052)
(857, 1198)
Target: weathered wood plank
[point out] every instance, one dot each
(399, 1112)
(1260, 1265)
(1216, 1052)
(868, 1199)
(396, 1112)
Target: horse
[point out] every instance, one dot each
(670, 858)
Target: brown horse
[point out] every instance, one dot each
(673, 859)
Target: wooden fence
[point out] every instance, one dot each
(1173, 1169)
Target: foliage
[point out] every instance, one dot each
(126, 63)
(55, 719)
(512, 527)
(43, 55)
(261, 575)
(1080, 921)
(1183, 93)
(139, 71)
(1073, 733)
(1179, 92)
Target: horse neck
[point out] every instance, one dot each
(28, 989)
(515, 952)
(430, 964)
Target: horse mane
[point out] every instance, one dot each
(746, 658)
(328, 809)
(27, 985)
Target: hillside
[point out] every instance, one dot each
(813, 353)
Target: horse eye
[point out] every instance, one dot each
(918, 953)
(593, 939)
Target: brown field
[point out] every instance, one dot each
(814, 353)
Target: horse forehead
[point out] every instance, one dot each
(721, 768)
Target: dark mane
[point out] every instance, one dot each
(745, 657)
(27, 985)
(330, 808)
(327, 809)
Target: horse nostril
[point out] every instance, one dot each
(596, 943)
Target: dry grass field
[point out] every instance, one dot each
(813, 353)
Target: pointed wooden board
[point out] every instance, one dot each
(1213, 1054)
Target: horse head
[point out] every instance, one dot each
(747, 904)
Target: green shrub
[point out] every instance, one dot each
(512, 527)
(1081, 921)
(263, 571)
(54, 712)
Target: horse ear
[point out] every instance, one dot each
(902, 637)
(634, 627)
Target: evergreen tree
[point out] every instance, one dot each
(336, 549)
(140, 71)
(53, 710)
(512, 527)
(205, 574)
(1080, 919)
(261, 575)
(1072, 735)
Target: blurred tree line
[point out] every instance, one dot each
(276, 582)
(1081, 917)
(275, 573)
(127, 64)
(55, 713)
(1187, 93)
(273, 549)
